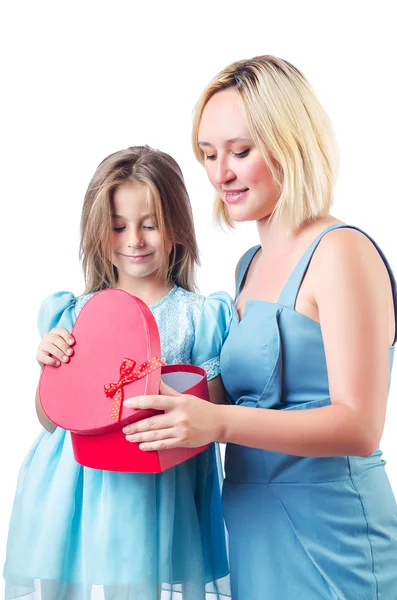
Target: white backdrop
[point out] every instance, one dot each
(81, 79)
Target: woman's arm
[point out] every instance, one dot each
(351, 288)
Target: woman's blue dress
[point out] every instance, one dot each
(300, 528)
(78, 533)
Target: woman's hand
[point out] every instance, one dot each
(55, 347)
(187, 421)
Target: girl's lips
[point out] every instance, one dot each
(135, 258)
(232, 197)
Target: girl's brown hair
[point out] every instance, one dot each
(168, 197)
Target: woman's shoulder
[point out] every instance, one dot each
(346, 245)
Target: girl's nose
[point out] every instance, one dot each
(136, 240)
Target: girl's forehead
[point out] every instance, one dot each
(131, 199)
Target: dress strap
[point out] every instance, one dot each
(245, 262)
(290, 292)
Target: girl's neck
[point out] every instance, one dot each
(149, 291)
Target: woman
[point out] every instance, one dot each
(307, 363)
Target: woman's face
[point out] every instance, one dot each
(234, 165)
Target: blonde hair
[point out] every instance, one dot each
(168, 197)
(292, 130)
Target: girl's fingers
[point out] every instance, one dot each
(59, 342)
(64, 334)
(45, 359)
(54, 350)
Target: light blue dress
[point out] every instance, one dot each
(300, 528)
(74, 528)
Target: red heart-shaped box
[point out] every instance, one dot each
(114, 325)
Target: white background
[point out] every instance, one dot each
(83, 79)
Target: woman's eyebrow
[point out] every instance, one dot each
(231, 141)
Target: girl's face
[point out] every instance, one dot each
(137, 245)
(234, 164)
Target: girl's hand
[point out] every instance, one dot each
(55, 347)
(187, 421)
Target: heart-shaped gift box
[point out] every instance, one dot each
(116, 356)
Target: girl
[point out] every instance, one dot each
(133, 535)
(307, 363)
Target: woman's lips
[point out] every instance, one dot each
(234, 196)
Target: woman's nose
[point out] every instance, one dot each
(223, 172)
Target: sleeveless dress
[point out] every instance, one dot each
(300, 528)
(78, 533)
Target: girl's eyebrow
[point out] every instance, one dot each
(147, 216)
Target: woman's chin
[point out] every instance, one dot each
(242, 214)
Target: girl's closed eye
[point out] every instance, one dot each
(118, 229)
(210, 157)
(149, 227)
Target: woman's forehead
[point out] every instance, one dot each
(223, 118)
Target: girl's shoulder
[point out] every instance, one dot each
(81, 301)
(216, 304)
(57, 310)
(60, 310)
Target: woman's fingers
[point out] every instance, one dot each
(166, 390)
(155, 401)
(157, 422)
(153, 436)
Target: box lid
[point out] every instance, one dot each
(116, 356)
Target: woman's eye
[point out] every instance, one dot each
(211, 157)
(242, 154)
(118, 229)
(149, 227)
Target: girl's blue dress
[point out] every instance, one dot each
(78, 533)
(300, 528)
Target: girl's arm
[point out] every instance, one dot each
(44, 420)
(54, 349)
(351, 288)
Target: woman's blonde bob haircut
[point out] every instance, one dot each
(292, 130)
(167, 197)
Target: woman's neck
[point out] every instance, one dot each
(279, 241)
(275, 237)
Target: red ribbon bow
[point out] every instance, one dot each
(128, 374)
